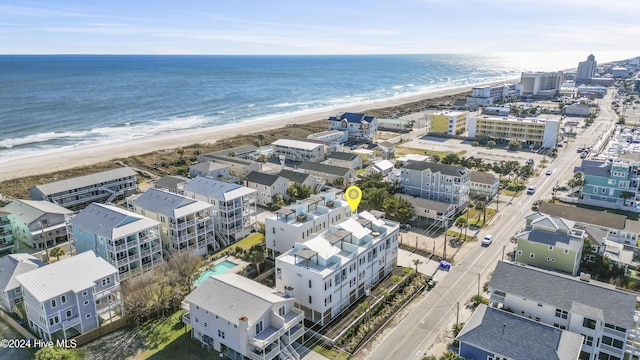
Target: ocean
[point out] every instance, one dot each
(49, 102)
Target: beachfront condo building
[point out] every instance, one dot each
(186, 224)
(6, 234)
(541, 84)
(299, 222)
(550, 242)
(243, 319)
(488, 95)
(439, 182)
(610, 184)
(536, 132)
(79, 192)
(266, 186)
(11, 266)
(71, 296)
(37, 224)
(233, 207)
(333, 269)
(128, 241)
(448, 122)
(607, 318)
(360, 127)
(299, 150)
(586, 70)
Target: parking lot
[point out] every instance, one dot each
(433, 143)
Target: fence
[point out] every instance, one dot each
(14, 324)
(101, 331)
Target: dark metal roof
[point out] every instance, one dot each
(295, 176)
(261, 178)
(323, 168)
(436, 168)
(339, 155)
(352, 117)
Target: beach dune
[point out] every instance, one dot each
(87, 155)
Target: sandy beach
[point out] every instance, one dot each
(87, 155)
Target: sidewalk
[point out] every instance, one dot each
(428, 267)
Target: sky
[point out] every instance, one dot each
(319, 27)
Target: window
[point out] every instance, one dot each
(562, 313)
(499, 293)
(205, 324)
(309, 284)
(259, 327)
(519, 252)
(588, 340)
(532, 255)
(53, 303)
(589, 323)
(310, 302)
(68, 314)
(84, 293)
(63, 299)
(88, 316)
(282, 311)
(86, 302)
(54, 320)
(221, 334)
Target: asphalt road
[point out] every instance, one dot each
(436, 311)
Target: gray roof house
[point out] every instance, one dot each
(171, 183)
(329, 173)
(344, 159)
(210, 169)
(249, 321)
(430, 209)
(33, 222)
(603, 315)
(298, 177)
(483, 184)
(10, 266)
(78, 192)
(71, 296)
(267, 186)
(434, 181)
(496, 334)
(550, 242)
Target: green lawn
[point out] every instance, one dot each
(249, 241)
(161, 333)
(331, 353)
(186, 348)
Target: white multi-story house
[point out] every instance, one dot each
(128, 241)
(439, 182)
(299, 149)
(330, 136)
(11, 266)
(330, 271)
(71, 296)
(298, 222)
(185, 224)
(243, 319)
(483, 186)
(266, 186)
(34, 222)
(77, 193)
(234, 206)
(604, 316)
(360, 127)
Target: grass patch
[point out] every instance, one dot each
(512, 193)
(460, 235)
(331, 353)
(158, 334)
(477, 217)
(401, 151)
(248, 242)
(361, 171)
(184, 347)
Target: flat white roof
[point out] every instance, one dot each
(298, 144)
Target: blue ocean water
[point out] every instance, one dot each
(48, 102)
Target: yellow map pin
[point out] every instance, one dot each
(354, 195)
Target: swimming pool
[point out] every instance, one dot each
(217, 269)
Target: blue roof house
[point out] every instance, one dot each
(361, 127)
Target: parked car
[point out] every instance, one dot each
(531, 190)
(548, 173)
(487, 240)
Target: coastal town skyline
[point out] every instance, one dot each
(431, 26)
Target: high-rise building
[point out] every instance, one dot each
(586, 70)
(543, 84)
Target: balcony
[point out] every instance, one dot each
(186, 318)
(266, 355)
(266, 337)
(181, 225)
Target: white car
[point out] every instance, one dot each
(548, 173)
(487, 240)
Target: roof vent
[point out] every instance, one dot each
(301, 218)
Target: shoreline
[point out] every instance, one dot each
(68, 158)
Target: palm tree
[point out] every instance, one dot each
(256, 254)
(57, 252)
(417, 262)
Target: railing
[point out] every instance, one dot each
(263, 343)
(181, 225)
(71, 322)
(186, 318)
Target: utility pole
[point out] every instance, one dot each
(478, 284)
(457, 312)
(503, 247)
